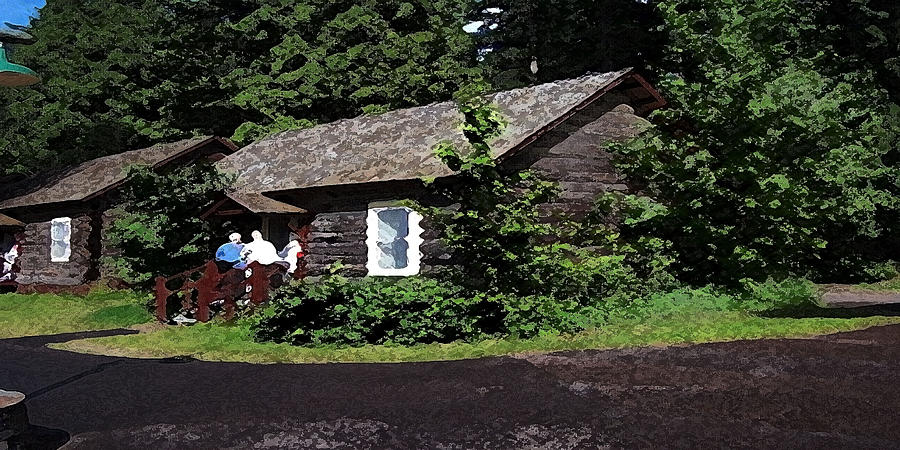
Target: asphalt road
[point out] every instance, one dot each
(839, 391)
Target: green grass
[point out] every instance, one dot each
(888, 285)
(223, 342)
(40, 314)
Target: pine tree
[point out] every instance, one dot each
(321, 60)
(564, 38)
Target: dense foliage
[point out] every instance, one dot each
(316, 61)
(780, 154)
(122, 74)
(564, 38)
(403, 311)
(504, 237)
(116, 75)
(157, 229)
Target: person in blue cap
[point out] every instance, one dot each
(229, 254)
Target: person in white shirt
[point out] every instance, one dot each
(260, 250)
(292, 254)
(9, 259)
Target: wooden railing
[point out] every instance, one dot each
(254, 282)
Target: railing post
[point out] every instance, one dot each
(229, 308)
(259, 283)
(302, 271)
(162, 297)
(206, 290)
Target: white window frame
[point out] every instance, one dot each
(67, 240)
(413, 239)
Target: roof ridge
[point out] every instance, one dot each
(492, 94)
(398, 144)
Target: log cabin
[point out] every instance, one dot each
(59, 221)
(337, 186)
(341, 182)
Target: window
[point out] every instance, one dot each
(60, 239)
(393, 238)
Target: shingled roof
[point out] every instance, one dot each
(6, 221)
(399, 145)
(99, 175)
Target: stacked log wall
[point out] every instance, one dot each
(339, 236)
(36, 267)
(575, 156)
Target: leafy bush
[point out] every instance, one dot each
(337, 310)
(791, 295)
(684, 301)
(157, 230)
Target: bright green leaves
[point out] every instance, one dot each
(779, 155)
(384, 311)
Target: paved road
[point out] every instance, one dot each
(839, 391)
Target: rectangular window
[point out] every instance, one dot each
(393, 239)
(60, 239)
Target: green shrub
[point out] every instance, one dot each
(342, 311)
(791, 295)
(527, 316)
(685, 301)
(337, 310)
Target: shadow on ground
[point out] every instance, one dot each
(837, 391)
(807, 312)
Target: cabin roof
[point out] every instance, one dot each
(260, 204)
(399, 145)
(6, 221)
(97, 176)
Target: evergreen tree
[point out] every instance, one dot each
(121, 74)
(780, 153)
(318, 61)
(116, 74)
(564, 38)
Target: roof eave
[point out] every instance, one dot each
(255, 209)
(7, 221)
(226, 143)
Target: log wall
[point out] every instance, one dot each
(36, 266)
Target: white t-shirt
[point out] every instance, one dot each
(262, 251)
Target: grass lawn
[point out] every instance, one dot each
(223, 342)
(888, 285)
(38, 314)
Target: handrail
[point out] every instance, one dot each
(212, 286)
(186, 273)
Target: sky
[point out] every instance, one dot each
(18, 11)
